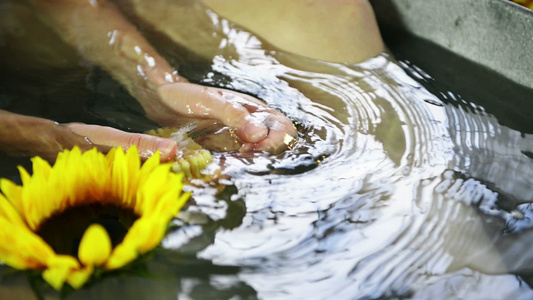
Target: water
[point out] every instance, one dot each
(400, 187)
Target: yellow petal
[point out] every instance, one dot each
(181, 202)
(132, 164)
(8, 212)
(21, 248)
(169, 206)
(152, 189)
(12, 191)
(148, 233)
(62, 261)
(41, 166)
(133, 158)
(122, 255)
(119, 175)
(150, 164)
(110, 156)
(56, 276)
(24, 175)
(79, 277)
(143, 236)
(95, 246)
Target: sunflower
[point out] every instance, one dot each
(526, 3)
(89, 183)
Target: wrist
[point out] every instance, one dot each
(26, 136)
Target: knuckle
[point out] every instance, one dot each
(134, 139)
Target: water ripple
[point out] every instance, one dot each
(390, 192)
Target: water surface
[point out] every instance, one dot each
(400, 187)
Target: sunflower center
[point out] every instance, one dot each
(63, 231)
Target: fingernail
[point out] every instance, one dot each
(255, 131)
(259, 136)
(247, 148)
(167, 148)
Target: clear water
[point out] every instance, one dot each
(398, 188)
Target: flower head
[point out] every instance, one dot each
(152, 193)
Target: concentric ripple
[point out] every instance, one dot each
(391, 191)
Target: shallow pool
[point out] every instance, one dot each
(404, 184)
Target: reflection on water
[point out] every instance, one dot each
(392, 191)
(402, 198)
(399, 193)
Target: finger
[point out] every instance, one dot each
(282, 136)
(231, 108)
(275, 143)
(110, 137)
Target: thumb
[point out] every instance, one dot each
(111, 137)
(231, 108)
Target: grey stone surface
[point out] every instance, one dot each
(497, 34)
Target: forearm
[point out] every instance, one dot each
(104, 37)
(329, 30)
(97, 29)
(29, 136)
(187, 23)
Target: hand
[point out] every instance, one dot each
(30, 136)
(114, 43)
(259, 127)
(105, 138)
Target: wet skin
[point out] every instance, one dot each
(102, 36)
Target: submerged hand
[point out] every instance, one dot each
(119, 48)
(260, 127)
(106, 137)
(30, 136)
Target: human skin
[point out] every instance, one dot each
(30, 135)
(343, 31)
(103, 36)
